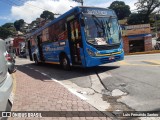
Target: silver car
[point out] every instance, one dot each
(11, 63)
(6, 81)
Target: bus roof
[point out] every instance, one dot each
(75, 9)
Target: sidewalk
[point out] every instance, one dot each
(145, 52)
(36, 92)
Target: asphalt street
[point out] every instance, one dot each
(139, 77)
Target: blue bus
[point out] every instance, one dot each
(83, 36)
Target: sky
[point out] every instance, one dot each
(29, 10)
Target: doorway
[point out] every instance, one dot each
(29, 50)
(136, 46)
(75, 41)
(39, 42)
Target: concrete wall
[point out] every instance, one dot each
(148, 43)
(126, 44)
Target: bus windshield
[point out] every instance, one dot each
(102, 30)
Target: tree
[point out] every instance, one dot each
(47, 15)
(18, 24)
(135, 18)
(8, 25)
(4, 33)
(146, 7)
(121, 9)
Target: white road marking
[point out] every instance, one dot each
(43, 73)
(66, 86)
(70, 89)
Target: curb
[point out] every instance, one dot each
(12, 95)
(146, 52)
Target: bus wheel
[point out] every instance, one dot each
(36, 60)
(65, 63)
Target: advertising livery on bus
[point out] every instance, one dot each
(84, 36)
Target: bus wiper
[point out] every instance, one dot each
(96, 21)
(109, 30)
(99, 23)
(108, 26)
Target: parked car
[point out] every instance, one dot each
(6, 81)
(11, 62)
(157, 45)
(22, 55)
(13, 55)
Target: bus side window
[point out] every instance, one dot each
(76, 33)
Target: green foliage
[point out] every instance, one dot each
(18, 24)
(47, 15)
(4, 33)
(8, 25)
(157, 16)
(136, 18)
(121, 9)
(147, 7)
(33, 22)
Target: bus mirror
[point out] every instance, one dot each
(82, 22)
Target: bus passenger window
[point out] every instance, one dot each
(77, 30)
(72, 32)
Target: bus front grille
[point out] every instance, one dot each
(106, 47)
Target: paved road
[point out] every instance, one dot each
(139, 77)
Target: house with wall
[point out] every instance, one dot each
(137, 38)
(18, 40)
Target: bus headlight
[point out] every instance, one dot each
(90, 52)
(120, 49)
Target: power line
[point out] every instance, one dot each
(40, 8)
(7, 2)
(33, 5)
(14, 3)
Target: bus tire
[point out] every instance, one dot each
(36, 60)
(64, 61)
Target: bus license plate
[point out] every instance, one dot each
(111, 58)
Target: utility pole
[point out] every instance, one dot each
(80, 1)
(156, 24)
(155, 17)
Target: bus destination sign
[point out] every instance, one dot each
(97, 11)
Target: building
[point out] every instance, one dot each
(137, 38)
(18, 40)
(9, 44)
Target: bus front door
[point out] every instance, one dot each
(29, 50)
(39, 41)
(75, 42)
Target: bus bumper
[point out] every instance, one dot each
(95, 61)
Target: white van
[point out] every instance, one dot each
(6, 81)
